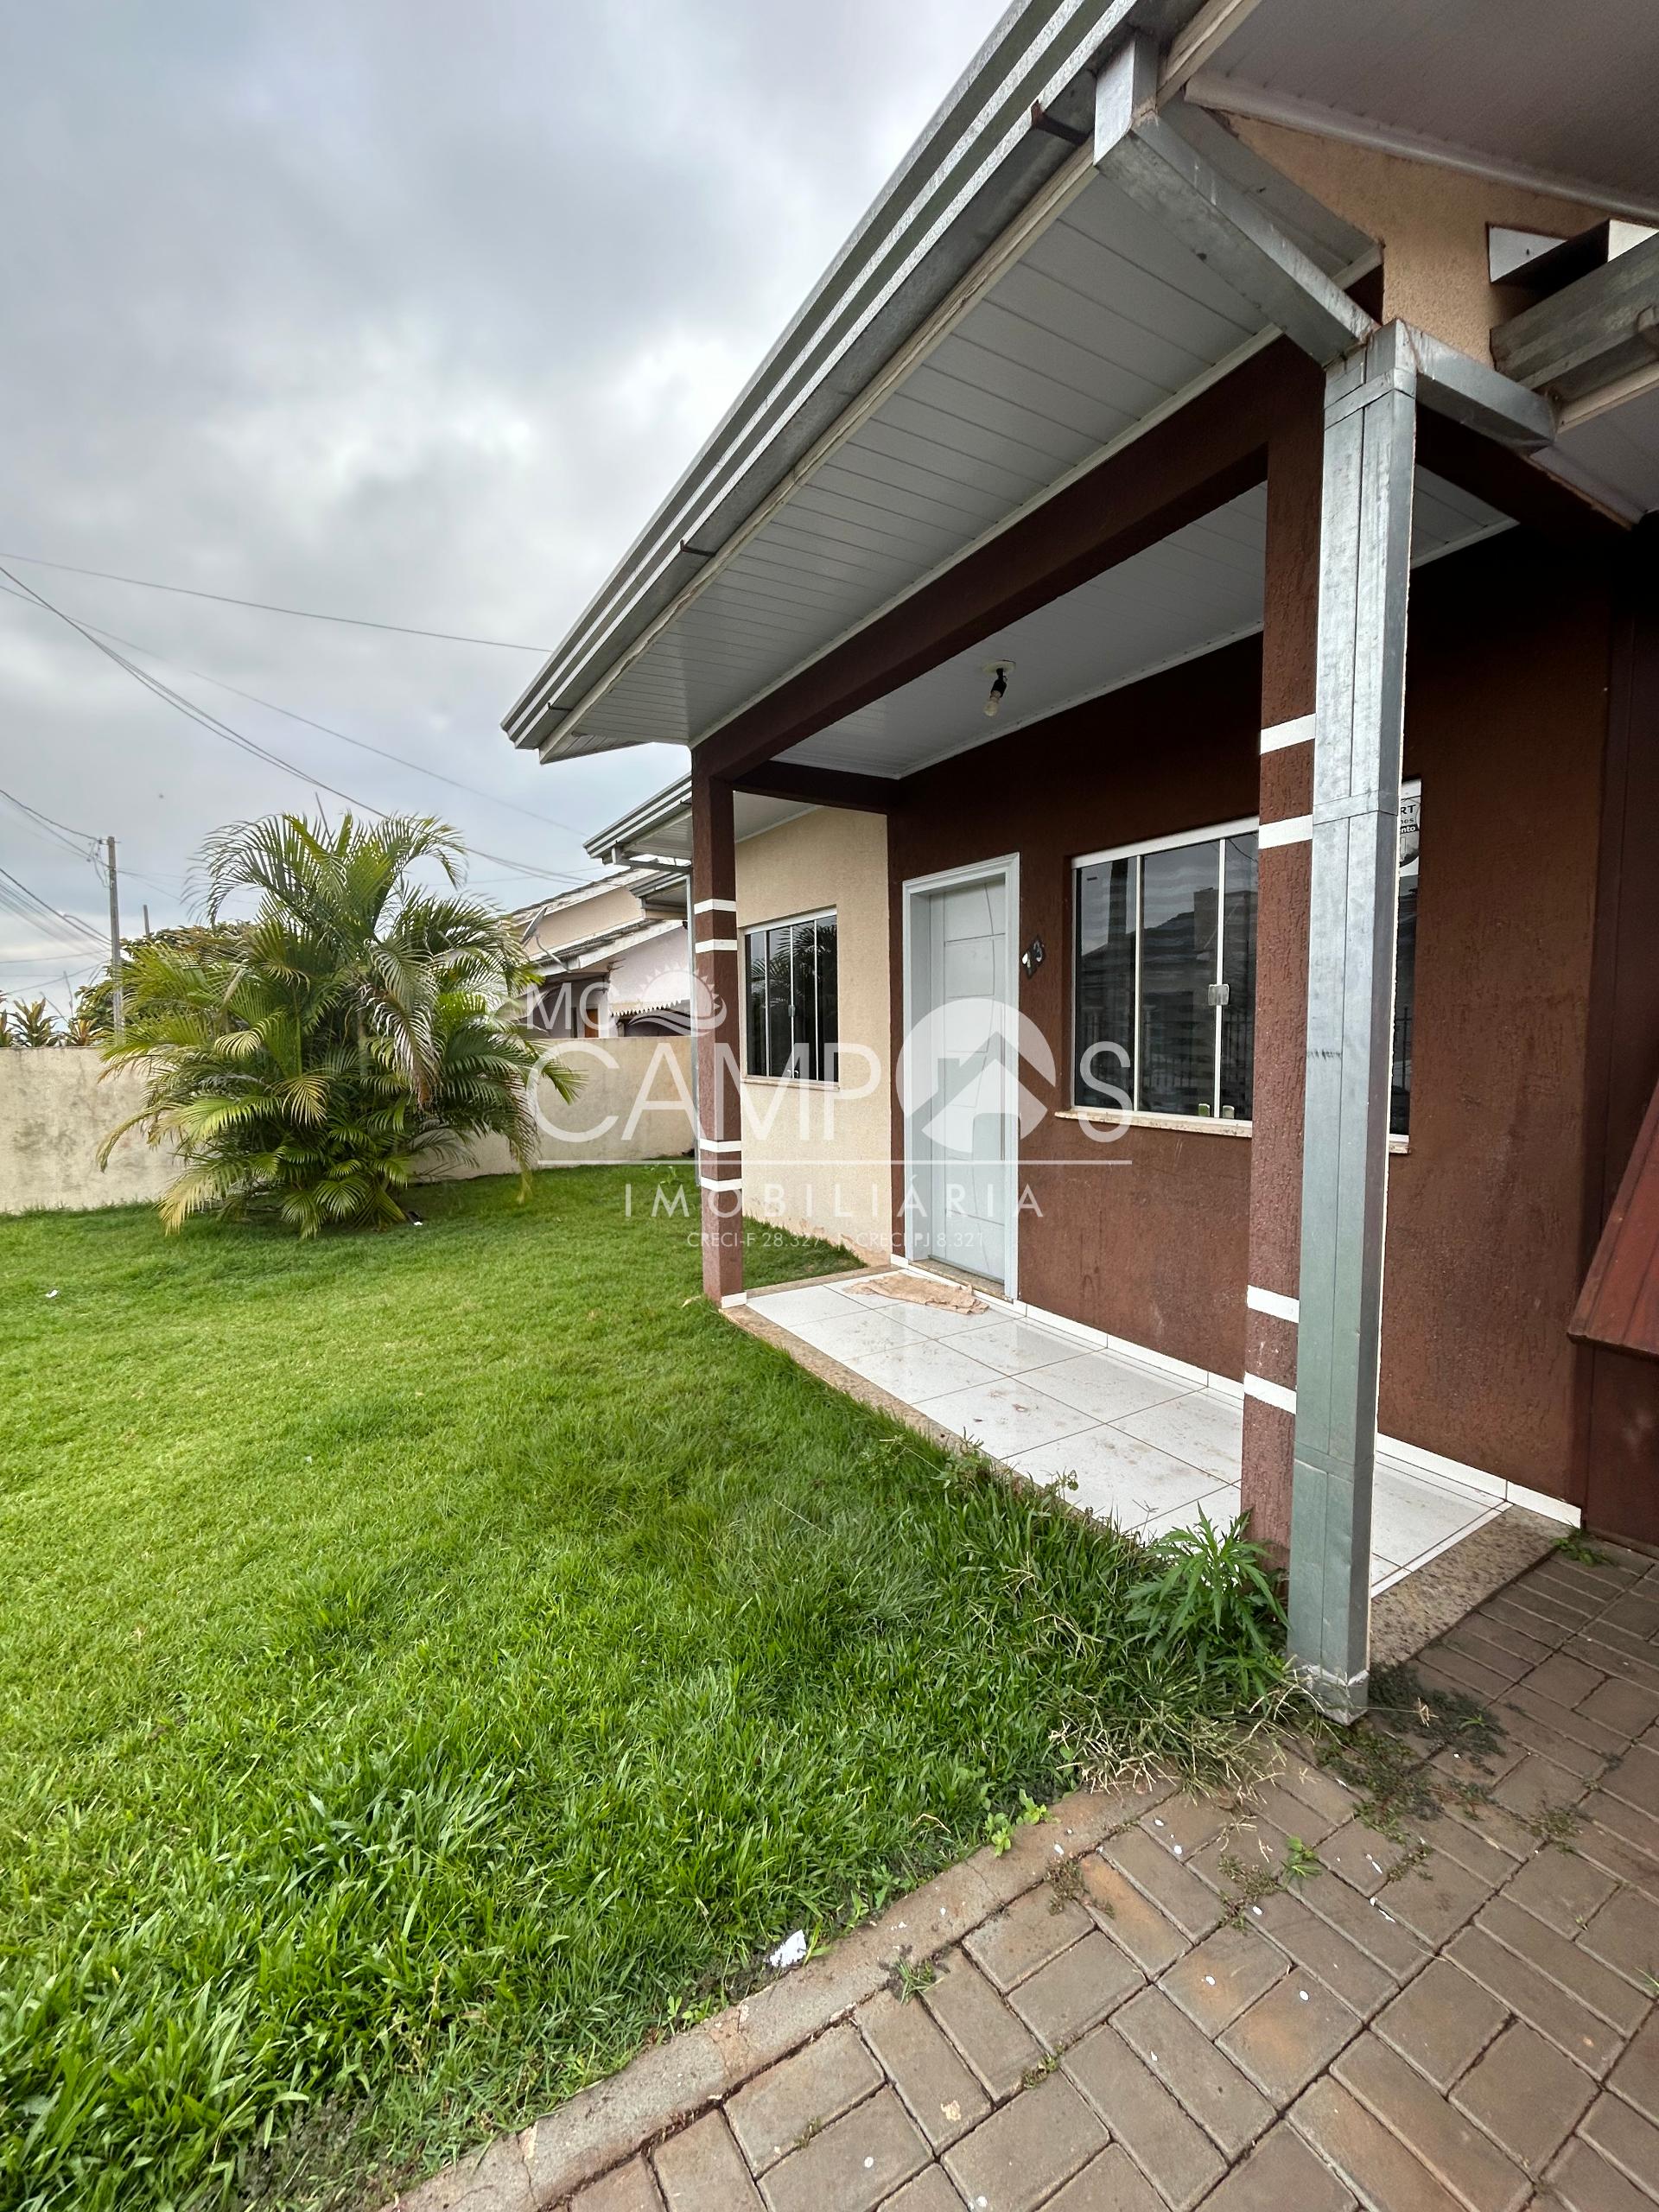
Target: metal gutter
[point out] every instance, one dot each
(663, 806)
(977, 164)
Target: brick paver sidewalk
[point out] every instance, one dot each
(1155, 2003)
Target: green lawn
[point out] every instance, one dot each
(432, 1663)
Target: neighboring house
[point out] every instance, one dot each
(812, 912)
(1058, 558)
(613, 957)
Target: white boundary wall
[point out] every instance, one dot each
(57, 1106)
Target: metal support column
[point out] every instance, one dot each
(1364, 568)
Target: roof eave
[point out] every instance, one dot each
(972, 171)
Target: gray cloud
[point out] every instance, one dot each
(399, 309)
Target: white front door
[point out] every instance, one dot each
(962, 1136)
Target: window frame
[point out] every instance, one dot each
(752, 1074)
(1138, 850)
(1218, 836)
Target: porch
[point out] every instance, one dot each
(1070, 534)
(1148, 1443)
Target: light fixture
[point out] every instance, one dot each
(999, 672)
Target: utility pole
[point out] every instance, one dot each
(120, 1008)
(144, 911)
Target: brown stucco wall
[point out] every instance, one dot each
(1153, 1247)
(1505, 722)
(1431, 222)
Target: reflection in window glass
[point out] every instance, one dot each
(1239, 974)
(1405, 968)
(1165, 961)
(1179, 909)
(755, 985)
(790, 983)
(1108, 895)
(780, 1008)
(826, 1070)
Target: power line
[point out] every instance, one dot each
(46, 906)
(222, 730)
(265, 606)
(83, 843)
(362, 744)
(75, 839)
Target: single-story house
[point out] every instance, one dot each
(1169, 645)
(613, 957)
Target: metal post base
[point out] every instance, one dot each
(1343, 1702)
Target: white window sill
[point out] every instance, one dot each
(1206, 1125)
(1203, 1125)
(789, 1083)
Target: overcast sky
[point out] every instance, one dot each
(404, 309)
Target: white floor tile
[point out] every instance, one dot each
(1013, 1347)
(788, 1308)
(1202, 1427)
(854, 1334)
(1004, 1417)
(1410, 1517)
(925, 1369)
(1107, 1388)
(1119, 1477)
(1220, 1506)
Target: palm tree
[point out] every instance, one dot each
(356, 1032)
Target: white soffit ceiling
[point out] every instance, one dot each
(1561, 91)
(1101, 321)
(1192, 592)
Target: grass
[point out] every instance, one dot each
(432, 1665)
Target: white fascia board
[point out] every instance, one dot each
(970, 173)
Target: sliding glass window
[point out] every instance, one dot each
(1164, 975)
(789, 986)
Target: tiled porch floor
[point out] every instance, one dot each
(1143, 1446)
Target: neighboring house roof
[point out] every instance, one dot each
(625, 879)
(608, 945)
(1004, 317)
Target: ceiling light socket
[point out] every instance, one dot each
(999, 672)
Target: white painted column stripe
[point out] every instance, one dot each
(721, 1182)
(1297, 829)
(734, 1297)
(1271, 1394)
(1274, 1302)
(715, 906)
(719, 1144)
(1280, 735)
(717, 945)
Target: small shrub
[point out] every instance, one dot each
(1207, 1604)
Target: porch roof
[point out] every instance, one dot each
(1005, 318)
(660, 827)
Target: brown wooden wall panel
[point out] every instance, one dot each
(1619, 1304)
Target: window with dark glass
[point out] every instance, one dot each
(1405, 966)
(1163, 976)
(789, 970)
